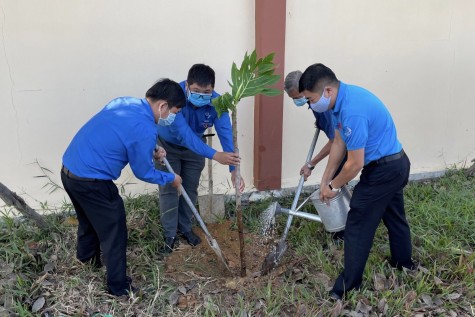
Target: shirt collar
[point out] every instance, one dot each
(148, 108)
(340, 97)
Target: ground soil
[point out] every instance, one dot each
(191, 266)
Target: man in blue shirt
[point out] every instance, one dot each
(363, 127)
(186, 152)
(123, 132)
(323, 121)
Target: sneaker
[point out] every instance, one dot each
(170, 243)
(191, 238)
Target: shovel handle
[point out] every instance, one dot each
(189, 202)
(299, 187)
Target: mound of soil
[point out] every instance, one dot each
(191, 266)
(203, 262)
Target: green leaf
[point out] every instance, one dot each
(223, 103)
(255, 76)
(234, 77)
(269, 58)
(271, 92)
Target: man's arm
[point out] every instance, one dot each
(305, 170)
(337, 153)
(351, 168)
(225, 134)
(190, 140)
(140, 154)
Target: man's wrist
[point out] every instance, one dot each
(333, 189)
(310, 166)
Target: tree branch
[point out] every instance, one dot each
(12, 199)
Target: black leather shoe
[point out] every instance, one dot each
(126, 291)
(191, 238)
(169, 244)
(334, 296)
(410, 266)
(338, 236)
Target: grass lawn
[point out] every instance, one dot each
(39, 275)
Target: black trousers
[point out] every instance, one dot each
(378, 196)
(102, 226)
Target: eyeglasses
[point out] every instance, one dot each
(197, 95)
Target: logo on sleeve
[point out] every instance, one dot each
(347, 131)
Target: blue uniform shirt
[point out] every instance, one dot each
(123, 132)
(324, 123)
(191, 123)
(364, 122)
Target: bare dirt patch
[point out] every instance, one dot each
(190, 267)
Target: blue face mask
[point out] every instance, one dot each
(299, 102)
(199, 100)
(322, 104)
(168, 120)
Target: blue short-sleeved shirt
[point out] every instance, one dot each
(191, 123)
(124, 131)
(324, 122)
(363, 121)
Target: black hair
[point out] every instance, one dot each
(169, 90)
(316, 77)
(201, 74)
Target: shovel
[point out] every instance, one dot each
(274, 257)
(211, 205)
(212, 242)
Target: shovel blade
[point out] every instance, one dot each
(215, 247)
(273, 258)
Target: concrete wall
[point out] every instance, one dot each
(415, 55)
(61, 61)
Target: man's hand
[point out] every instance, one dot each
(159, 153)
(177, 183)
(233, 180)
(326, 193)
(305, 171)
(227, 158)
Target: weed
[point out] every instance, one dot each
(441, 214)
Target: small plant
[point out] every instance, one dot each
(255, 76)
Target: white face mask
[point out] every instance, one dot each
(168, 120)
(322, 104)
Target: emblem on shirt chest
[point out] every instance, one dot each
(206, 124)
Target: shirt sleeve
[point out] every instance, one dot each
(355, 132)
(225, 134)
(140, 155)
(189, 139)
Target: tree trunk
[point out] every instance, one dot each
(237, 183)
(12, 199)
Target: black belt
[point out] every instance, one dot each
(70, 174)
(387, 159)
